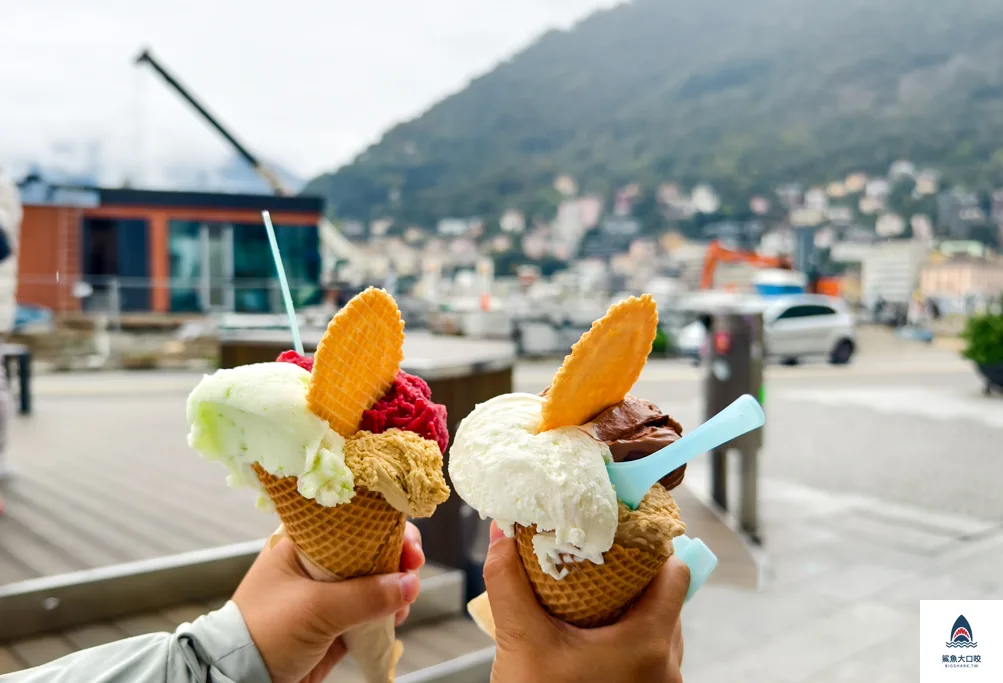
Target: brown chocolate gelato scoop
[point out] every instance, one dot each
(634, 429)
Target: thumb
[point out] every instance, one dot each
(343, 605)
(517, 614)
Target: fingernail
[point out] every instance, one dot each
(496, 533)
(409, 585)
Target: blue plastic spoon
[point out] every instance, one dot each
(633, 479)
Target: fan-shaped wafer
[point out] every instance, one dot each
(603, 365)
(356, 360)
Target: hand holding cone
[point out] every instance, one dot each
(599, 372)
(355, 364)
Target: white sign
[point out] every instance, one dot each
(960, 640)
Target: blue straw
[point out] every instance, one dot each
(286, 294)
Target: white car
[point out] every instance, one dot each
(794, 327)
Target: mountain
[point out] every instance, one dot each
(234, 175)
(744, 94)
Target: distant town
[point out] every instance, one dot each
(890, 239)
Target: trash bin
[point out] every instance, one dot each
(734, 367)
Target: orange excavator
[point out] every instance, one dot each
(718, 253)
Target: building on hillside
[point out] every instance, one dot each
(805, 218)
(137, 251)
(816, 199)
(922, 227)
(836, 190)
(568, 228)
(889, 225)
(668, 193)
(927, 183)
(513, 221)
(777, 242)
(590, 210)
(452, 227)
(353, 230)
(890, 271)
(791, 195)
(759, 205)
(566, 185)
(901, 170)
(705, 199)
(855, 182)
(950, 248)
(967, 282)
(871, 205)
(997, 207)
(877, 188)
(842, 215)
(958, 211)
(380, 226)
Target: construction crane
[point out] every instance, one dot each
(718, 253)
(335, 246)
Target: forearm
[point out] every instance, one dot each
(215, 648)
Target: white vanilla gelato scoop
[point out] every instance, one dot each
(556, 480)
(258, 414)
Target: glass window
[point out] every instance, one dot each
(257, 288)
(300, 249)
(805, 312)
(185, 247)
(253, 269)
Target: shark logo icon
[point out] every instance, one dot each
(961, 634)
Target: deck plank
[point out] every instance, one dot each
(92, 635)
(11, 569)
(9, 663)
(38, 651)
(126, 526)
(183, 614)
(76, 535)
(142, 624)
(37, 554)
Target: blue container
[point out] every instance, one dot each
(767, 289)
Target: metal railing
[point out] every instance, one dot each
(114, 295)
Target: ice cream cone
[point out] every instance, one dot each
(356, 362)
(591, 594)
(360, 538)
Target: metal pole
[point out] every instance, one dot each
(115, 302)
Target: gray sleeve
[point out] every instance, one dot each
(217, 648)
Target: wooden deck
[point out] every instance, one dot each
(100, 480)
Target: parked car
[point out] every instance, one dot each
(794, 327)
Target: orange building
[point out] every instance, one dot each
(182, 252)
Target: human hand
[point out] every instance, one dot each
(645, 644)
(297, 622)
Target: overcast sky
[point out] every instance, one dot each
(308, 85)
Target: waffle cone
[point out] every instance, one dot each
(363, 537)
(590, 595)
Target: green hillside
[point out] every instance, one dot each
(743, 94)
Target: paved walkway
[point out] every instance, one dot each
(839, 600)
